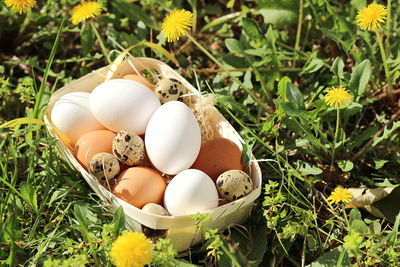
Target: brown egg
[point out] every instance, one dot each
(140, 186)
(139, 79)
(92, 143)
(217, 156)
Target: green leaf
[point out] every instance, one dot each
(352, 109)
(236, 62)
(359, 226)
(247, 80)
(386, 133)
(337, 67)
(80, 213)
(283, 12)
(306, 168)
(233, 45)
(230, 4)
(246, 152)
(359, 79)
(29, 195)
(251, 28)
(282, 84)
(134, 13)
(312, 66)
(271, 35)
(87, 220)
(365, 135)
(220, 20)
(385, 183)
(17, 122)
(293, 126)
(345, 165)
(303, 132)
(375, 227)
(294, 95)
(119, 220)
(286, 4)
(259, 248)
(279, 16)
(312, 243)
(254, 247)
(10, 230)
(259, 52)
(330, 258)
(268, 124)
(87, 38)
(290, 109)
(359, 4)
(379, 163)
(301, 142)
(354, 214)
(58, 194)
(229, 102)
(339, 38)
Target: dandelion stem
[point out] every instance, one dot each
(299, 25)
(335, 138)
(102, 46)
(388, 21)
(345, 215)
(249, 91)
(385, 65)
(194, 7)
(388, 25)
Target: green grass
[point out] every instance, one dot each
(268, 70)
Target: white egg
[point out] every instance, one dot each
(123, 105)
(190, 192)
(173, 138)
(156, 209)
(71, 115)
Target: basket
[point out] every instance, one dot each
(181, 230)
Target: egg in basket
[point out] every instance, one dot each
(157, 148)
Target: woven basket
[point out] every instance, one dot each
(181, 230)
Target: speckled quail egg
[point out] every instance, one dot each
(234, 184)
(155, 209)
(104, 166)
(128, 147)
(170, 89)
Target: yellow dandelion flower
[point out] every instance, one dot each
(84, 11)
(177, 24)
(20, 6)
(131, 249)
(371, 17)
(340, 194)
(338, 97)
